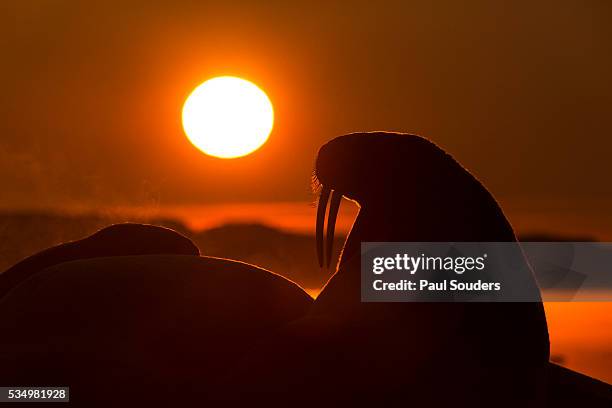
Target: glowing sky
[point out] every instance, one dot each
(92, 93)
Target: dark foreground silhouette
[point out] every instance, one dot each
(189, 330)
(116, 240)
(409, 190)
(123, 329)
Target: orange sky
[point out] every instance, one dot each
(92, 92)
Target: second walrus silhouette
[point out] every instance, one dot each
(132, 315)
(115, 240)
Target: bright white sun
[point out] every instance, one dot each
(228, 117)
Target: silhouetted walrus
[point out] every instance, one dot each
(115, 240)
(408, 190)
(491, 354)
(155, 330)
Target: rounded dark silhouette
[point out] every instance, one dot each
(157, 330)
(114, 240)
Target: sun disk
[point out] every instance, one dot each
(228, 117)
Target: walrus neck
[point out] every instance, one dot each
(342, 291)
(381, 226)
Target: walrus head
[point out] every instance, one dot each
(406, 180)
(361, 165)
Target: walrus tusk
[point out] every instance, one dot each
(323, 198)
(334, 205)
